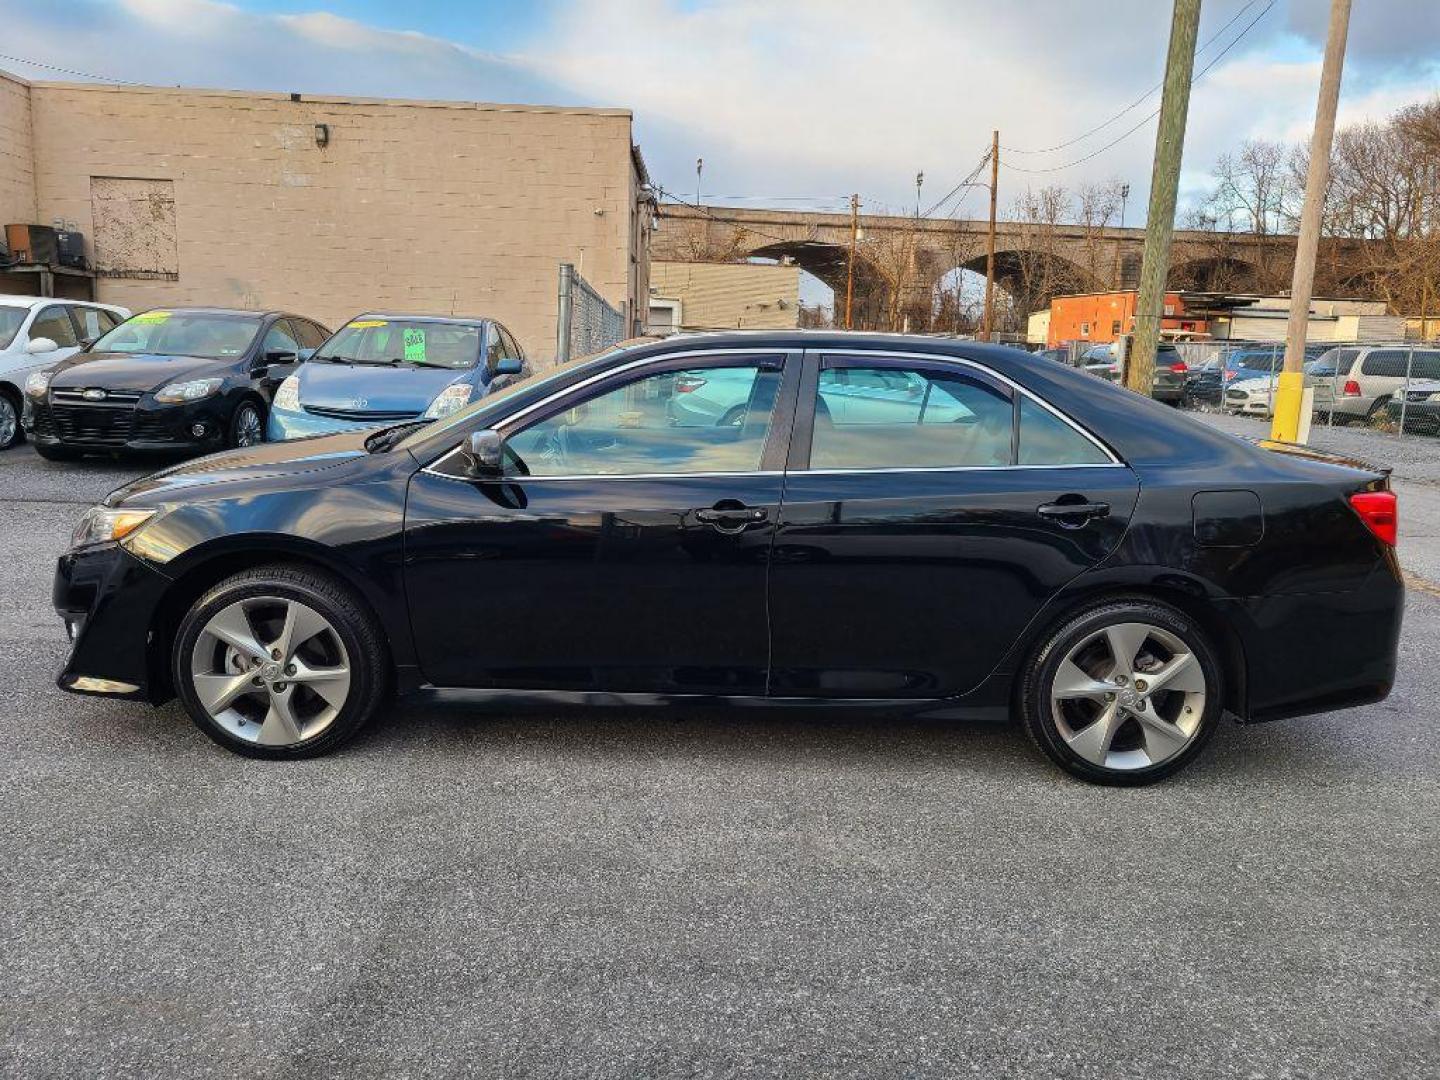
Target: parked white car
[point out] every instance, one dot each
(35, 332)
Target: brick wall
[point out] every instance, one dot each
(17, 153)
(412, 206)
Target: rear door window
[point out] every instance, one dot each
(1046, 439)
(894, 417)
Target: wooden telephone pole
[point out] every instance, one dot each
(850, 270)
(1290, 387)
(1164, 188)
(988, 320)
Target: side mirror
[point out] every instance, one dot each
(508, 365)
(282, 356)
(484, 454)
(41, 345)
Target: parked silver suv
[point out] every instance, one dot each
(1373, 376)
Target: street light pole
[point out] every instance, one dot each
(1139, 370)
(1290, 391)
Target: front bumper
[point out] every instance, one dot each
(108, 600)
(284, 424)
(146, 426)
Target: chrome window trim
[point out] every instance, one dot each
(961, 361)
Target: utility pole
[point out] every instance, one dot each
(987, 320)
(1290, 388)
(850, 270)
(1164, 187)
(699, 168)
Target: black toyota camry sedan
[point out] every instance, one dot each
(909, 523)
(174, 379)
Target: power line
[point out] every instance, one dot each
(66, 71)
(1148, 93)
(1118, 140)
(968, 182)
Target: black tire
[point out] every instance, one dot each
(58, 453)
(238, 420)
(11, 403)
(355, 626)
(1036, 678)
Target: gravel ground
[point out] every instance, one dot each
(651, 893)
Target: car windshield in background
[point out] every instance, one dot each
(182, 333)
(396, 342)
(1259, 360)
(11, 319)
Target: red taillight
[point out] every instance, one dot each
(1379, 510)
(1352, 388)
(686, 384)
(1230, 375)
(1179, 367)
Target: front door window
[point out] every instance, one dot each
(700, 420)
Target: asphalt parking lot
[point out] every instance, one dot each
(467, 891)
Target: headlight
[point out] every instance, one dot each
(288, 396)
(37, 383)
(101, 524)
(176, 393)
(450, 400)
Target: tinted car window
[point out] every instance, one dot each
(11, 319)
(876, 418)
(183, 333)
(698, 420)
(54, 322)
(312, 335)
(1387, 363)
(280, 338)
(1045, 439)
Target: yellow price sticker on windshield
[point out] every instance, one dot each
(152, 316)
(367, 324)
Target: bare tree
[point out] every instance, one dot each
(1096, 205)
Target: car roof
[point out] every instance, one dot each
(198, 310)
(8, 300)
(398, 316)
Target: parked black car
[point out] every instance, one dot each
(1026, 539)
(192, 379)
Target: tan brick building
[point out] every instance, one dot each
(331, 205)
(723, 296)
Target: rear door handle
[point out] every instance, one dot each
(1082, 510)
(731, 519)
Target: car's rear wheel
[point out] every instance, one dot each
(1126, 692)
(247, 425)
(279, 662)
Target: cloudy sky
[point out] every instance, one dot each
(802, 100)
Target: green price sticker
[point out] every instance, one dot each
(415, 344)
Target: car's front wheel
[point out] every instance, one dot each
(1126, 692)
(247, 425)
(11, 433)
(279, 662)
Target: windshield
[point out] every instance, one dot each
(418, 342)
(10, 320)
(498, 397)
(1259, 360)
(182, 333)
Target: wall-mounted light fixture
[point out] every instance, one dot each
(322, 135)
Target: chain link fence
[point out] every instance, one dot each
(587, 322)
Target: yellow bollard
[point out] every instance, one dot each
(1289, 399)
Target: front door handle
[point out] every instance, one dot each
(732, 518)
(1074, 513)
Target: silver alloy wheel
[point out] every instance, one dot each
(270, 670)
(1128, 696)
(8, 420)
(247, 427)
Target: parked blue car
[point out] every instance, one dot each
(386, 369)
